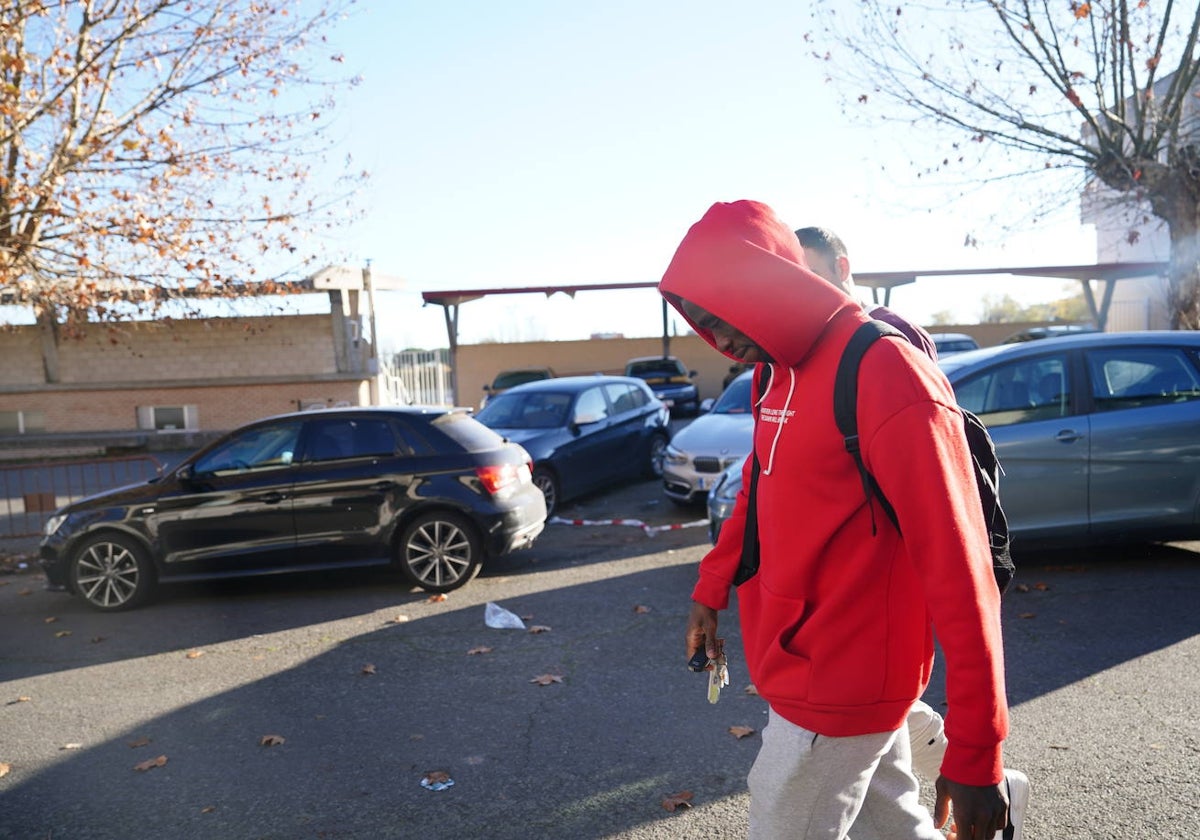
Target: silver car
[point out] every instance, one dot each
(1098, 435)
(706, 446)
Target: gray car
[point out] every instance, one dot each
(705, 447)
(1098, 435)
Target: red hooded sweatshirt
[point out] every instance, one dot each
(838, 623)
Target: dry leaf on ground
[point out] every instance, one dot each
(270, 740)
(62, 634)
(399, 619)
(97, 639)
(546, 679)
(22, 699)
(673, 801)
(5, 768)
(1022, 587)
(368, 670)
(437, 777)
(475, 651)
(50, 619)
(641, 609)
(539, 628)
(438, 597)
(194, 654)
(150, 763)
(140, 742)
(1041, 587)
(741, 732)
(71, 746)
(208, 809)
(751, 689)
(1028, 615)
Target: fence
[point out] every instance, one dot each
(419, 377)
(30, 493)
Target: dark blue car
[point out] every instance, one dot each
(583, 432)
(670, 380)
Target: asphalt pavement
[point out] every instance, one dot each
(316, 706)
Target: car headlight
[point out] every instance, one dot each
(54, 523)
(727, 487)
(674, 457)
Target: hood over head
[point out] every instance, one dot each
(746, 267)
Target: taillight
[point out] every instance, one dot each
(502, 479)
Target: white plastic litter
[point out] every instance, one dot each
(499, 618)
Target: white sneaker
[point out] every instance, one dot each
(1016, 785)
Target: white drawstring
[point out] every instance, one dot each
(782, 417)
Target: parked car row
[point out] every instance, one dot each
(1098, 435)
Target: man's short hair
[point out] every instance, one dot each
(823, 241)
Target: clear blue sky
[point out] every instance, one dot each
(532, 143)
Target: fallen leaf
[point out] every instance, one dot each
(140, 742)
(1042, 587)
(399, 619)
(641, 609)
(539, 628)
(4, 768)
(150, 763)
(98, 639)
(208, 809)
(368, 670)
(546, 679)
(25, 592)
(673, 801)
(438, 597)
(21, 699)
(751, 690)
(71, 746)
(50, 619)
(194, 654)
(270, 740)
(437, 776)
(741, 732)
(475, 651)
(1028, 615)
(1022, 587)
(62, 634)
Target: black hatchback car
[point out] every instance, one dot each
(430, 490)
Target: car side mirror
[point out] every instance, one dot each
(186, 473)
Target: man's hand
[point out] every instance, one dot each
(702, 631)
(979, 812)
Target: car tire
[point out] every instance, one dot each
(655, 456)
(547, 482)
(440, 551)
(112, 572)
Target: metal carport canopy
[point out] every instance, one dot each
(1106, 273)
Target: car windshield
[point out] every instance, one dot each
(537, 410)
(735, 399)
(655, 367)
(468, 432)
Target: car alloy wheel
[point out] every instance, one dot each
(111, 572)
(545, 481)
(658, 456)
(440, 551)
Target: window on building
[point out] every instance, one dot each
(168, 418)
(22, 422)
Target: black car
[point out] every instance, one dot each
(430, 490)
(670, 380)
(584, 432)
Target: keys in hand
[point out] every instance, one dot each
(718, 673)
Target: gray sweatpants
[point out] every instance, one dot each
(805, 786)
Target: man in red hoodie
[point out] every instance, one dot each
(838, 621)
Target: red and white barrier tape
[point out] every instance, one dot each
(649, 530)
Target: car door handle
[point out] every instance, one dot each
(383, 485)
(271, 498)
(1068, 436)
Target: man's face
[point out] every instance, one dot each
(728, 339)
(833, 269)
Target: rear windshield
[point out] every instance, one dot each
(513, 378)
(656, 367)
(468, 432)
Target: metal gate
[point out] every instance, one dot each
(30, 493)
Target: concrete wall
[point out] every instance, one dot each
(478, 364)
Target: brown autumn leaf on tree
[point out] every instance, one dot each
(741, 732)
(150, 764)
(675, 801)
(476, 651)
(271, 740)
(546, 679)
(150, 151)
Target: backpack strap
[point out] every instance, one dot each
(749, 562)
(845, 408)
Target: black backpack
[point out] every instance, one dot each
(845, 410)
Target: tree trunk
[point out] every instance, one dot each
(1185, 268)
(48, 328)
